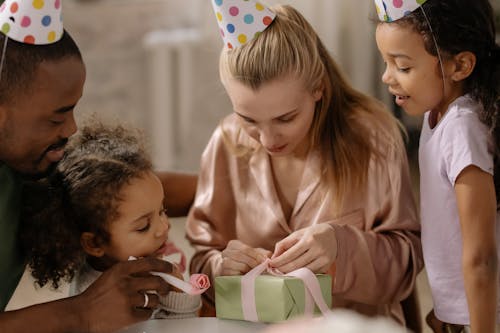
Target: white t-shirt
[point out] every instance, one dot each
(457, 141)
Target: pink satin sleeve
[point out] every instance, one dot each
(382, 267)
(210, 221)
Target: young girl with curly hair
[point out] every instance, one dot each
(103, 204)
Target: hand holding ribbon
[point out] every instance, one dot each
(238, 258)
(198, 283)
(311, 285)
(313, 247)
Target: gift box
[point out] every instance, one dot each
(277, 298)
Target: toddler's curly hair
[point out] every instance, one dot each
(81, 195)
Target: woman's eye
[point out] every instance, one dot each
(404, 69)
(249, 121)
(286, 120)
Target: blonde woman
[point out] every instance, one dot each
(306, 171)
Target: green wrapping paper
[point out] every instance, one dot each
(276, 298)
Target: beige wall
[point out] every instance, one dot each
(111, 34)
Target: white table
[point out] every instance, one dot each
(195, 325)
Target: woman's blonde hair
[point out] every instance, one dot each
(349, 128)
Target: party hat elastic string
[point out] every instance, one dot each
(436, 45)
(2, 59)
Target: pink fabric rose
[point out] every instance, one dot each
(199, 281)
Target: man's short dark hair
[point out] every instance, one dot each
(22, 60)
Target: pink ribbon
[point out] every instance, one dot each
(312, 290)
(198, 283)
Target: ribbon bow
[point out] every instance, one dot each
(312, 289)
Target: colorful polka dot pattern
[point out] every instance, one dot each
(32, 21)
(392, 10)
(241, 20)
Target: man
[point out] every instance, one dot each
(41, 80)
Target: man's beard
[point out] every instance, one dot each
(39, 175)
(50, 168)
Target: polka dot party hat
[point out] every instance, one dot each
(241, 20)
(392, 10)
(32, 21)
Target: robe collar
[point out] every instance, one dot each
(261, 170)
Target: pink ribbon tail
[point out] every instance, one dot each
(312, 285)
(186, 287)
(248, 291)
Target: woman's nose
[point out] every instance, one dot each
(267, 137)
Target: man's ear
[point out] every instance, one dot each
(464, 63)
(91, 245)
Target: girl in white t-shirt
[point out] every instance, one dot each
(442, 62)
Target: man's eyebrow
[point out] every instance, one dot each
(65, 109)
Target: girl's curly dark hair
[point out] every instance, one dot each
(465, 25)
(81, 195)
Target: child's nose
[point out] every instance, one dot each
(387, 77)
(163, 227)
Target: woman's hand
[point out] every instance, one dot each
(314, 247)
(239, 258)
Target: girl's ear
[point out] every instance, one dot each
(318, 93)
(464, 65)
(90, 244)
